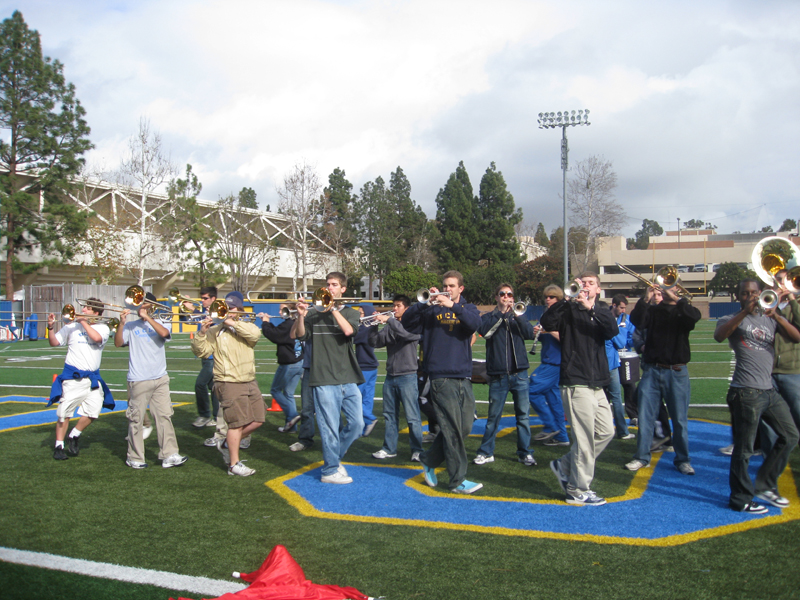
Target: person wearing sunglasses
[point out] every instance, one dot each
(507, 369)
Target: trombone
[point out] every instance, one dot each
(219, 311)
(135, 297)
(323, 300)
(176, 297)
(424, 296)
(68, 315)
(667, 278)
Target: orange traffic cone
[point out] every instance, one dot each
(274, 407)
(191, 335)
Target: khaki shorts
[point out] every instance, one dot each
(242, 403)
(77, 393)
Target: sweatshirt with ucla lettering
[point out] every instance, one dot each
(446, 337)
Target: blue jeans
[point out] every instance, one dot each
(330, 402)
(397, 390)
(748, 407)
(545, 398)
(306, 429)
(614, 395)
(367, 390)
(454, 404)
(202, 389)
(788, 386)
(672, 385)
(499, 386)
(284, 383)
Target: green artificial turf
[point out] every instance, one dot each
(196, 520)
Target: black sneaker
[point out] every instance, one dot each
(72, 446)
(754, 508)
(59, 454)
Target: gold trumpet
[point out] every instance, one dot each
(176, 297)
(424, 296)
(219, 311)
(667, 278)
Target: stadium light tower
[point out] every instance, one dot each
(564, 119)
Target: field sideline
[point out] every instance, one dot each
(196, 521)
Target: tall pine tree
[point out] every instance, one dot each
(458, 221)
(498, 215)
(44, 137)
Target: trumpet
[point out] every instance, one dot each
(520, 308)
(766, 300)
(219, 311)
(372, 320)
(135, 297)
(573, 290)
(176, 297)
(287, 313)
(424, 296)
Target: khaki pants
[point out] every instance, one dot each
(589, 414)
(156, 393)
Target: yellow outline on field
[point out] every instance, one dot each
(635, 491)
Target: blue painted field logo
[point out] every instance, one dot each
(660, 508)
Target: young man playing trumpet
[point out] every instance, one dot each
(507, 367)
(447, 323)
(232, 342)
(334, 375)
(148, 383)
(79, 385)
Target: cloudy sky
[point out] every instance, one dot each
(690, 100)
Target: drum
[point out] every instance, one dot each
(628, 367)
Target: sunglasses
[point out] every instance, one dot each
(205, 297)
(552, 297)
(504, 294)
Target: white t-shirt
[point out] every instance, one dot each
(83, 353)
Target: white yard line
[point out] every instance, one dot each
(172, 581)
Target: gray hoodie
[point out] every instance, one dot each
(401, 347)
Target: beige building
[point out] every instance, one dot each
(696, 253)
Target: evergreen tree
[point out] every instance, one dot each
(247, 198)
(541, 236)
(498, 216)
(45, 139)
(642, 239)
(458, 221)
(342, 211)
(411, 222)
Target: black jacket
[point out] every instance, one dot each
(583, 341)
(280, 336)
(505, 345)
(668, 327)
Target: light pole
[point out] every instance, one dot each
(564, 119)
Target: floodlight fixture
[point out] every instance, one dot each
(564, 119)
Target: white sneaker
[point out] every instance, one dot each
(146, 431)
(382, 454)
(244, 443)
(482, 459)
(774, 498)
(336, 478)
(241, 470)
(636, 464)
(135, 464)
(415, 457)
(210, 442)
(200, 422)
(341, 470)
(298, 447)
(211, 422)
(727, 450)
(176, 460)
(629, 436)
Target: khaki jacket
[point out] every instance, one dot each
(787, 353)
(234, 359)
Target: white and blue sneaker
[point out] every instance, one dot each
(468, 487)
(430, 475)
(586, 499)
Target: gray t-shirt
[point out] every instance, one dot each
(753, 344)
(148, 360)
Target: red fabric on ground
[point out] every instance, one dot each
(281, 578)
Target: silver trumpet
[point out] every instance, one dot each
(573, 290)
(287, 313)
(424, 296)
(372, 320)
(766, 300)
